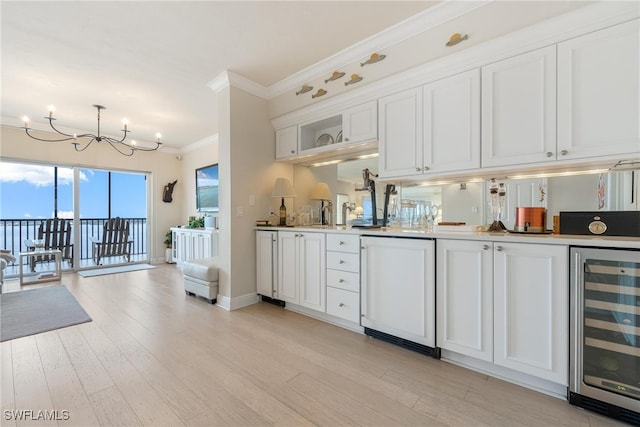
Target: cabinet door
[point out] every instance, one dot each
(202, 245)
(287, 267)
(599, 93)
(451, 124)
(182, 245)
(360, 123)
(287, 142)
(398, 287)
(531, 303)
(519, 109)
(400, 133)
(464, 289)
(311, 265)
(266, 247)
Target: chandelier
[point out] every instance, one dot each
(83, 141)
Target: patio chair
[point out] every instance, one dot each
(56, 234)
(115, 240)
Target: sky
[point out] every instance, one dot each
(27, 192)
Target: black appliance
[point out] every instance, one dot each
(605, 223)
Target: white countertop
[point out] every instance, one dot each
(550, 239)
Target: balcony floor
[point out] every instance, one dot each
(12, 271)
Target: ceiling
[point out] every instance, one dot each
(151, 61)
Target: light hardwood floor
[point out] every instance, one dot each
(153, 356)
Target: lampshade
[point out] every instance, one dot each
(283, 188)
(320, 192)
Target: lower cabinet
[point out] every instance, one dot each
(506, 303)
(343, 276)
(398, 287)
(301, 269)
(267, 263)
(189, 243)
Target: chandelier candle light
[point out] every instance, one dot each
(122, 147)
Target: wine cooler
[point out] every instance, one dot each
(605, 332)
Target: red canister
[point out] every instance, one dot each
(531, 219)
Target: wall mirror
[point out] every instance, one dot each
(469, 201)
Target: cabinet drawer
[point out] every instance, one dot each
(343, 243)
(343, 261)
(343, 304)
(343, 280)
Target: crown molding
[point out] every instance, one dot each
(229, 78)
(555, 30)
(410, 27)
(209, 140)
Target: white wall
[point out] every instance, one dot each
(163, 167)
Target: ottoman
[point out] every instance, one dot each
(201, 278)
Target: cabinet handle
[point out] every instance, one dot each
(346, 140)
(293, 152)
(426, 168)
(549, 154)
(341, 305)
(485, 247)
(341, 281)
(341, 262)
(341, 242)
(418, 170)
(564, 152)
(499, 248)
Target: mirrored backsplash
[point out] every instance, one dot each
(469, 202)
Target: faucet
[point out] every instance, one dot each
(327, 217)
(347, 207)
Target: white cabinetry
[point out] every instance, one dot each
(191, 244)
(531, 309)
(398, 287)
(301, 269)
(519, 109)
(506, 303)
(267, 263)
(343, 276)
(400, 133)
(599, 93)
(464, 286)
(451, 124)
(360, 123)
(287, 142)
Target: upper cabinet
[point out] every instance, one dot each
(431, 129)
(355, 130)
(451, 128)
(519, 109)
(599, 92)
(400, 133)
(287, 142)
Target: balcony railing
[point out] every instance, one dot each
(14, 233)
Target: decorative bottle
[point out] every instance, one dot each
(283, 214)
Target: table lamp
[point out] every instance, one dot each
(283, 188)
(321, 192)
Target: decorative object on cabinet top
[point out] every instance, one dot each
(319, 93)
(354, 79)
(335, 76)
(456, 38)
(339, 137)
(324, 139)
(373, 59)
(304, 89)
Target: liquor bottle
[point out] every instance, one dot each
(283, 214)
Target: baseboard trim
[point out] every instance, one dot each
(236, 303)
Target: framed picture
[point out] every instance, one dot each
(207, 188)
